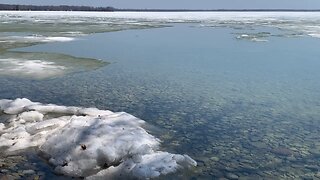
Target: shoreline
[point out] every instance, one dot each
(182, 15)
(63, 7)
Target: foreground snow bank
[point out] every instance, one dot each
(86, 142)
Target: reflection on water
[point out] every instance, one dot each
(241, 109)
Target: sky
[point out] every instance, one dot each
(182, 4)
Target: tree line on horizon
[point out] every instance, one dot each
(16, 7)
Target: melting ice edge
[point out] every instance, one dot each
(86, 142)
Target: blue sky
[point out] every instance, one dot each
(191, 4)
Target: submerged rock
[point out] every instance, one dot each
(82, 142)
(30, 171)
(232, 176)
(282, 151)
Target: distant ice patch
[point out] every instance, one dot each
(317, 35)
(36, 38)
(86, 142)
(57, 39)
(254, 37)
(35, 65)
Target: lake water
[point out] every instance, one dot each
(240, 108)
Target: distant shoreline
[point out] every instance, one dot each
(16, 7)
(216, 10)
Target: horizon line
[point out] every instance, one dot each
(16, 7)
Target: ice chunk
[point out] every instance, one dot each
(107, 139)
(150, 166)
(94, 112)
(50, 108)
(32, 116)
(87, 142)
(2, 127)
(16, 106)
(317, 35)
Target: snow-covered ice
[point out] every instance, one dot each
(301, 22)
(52, 39)
(41, 65)
(30, 68)
(159, 15)
(35, 39)
(86, 142)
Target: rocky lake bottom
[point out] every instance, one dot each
(241, 98)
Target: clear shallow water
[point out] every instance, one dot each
(243, 108)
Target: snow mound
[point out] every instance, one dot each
(86, 142)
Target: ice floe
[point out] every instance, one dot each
(35, 38)
(33, 65)
(91, 22)
(55, 39)
(158, 15)
(30, 68)
(254, 37)
(317, 35)
(86, 142)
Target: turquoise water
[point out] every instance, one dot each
(239, 108)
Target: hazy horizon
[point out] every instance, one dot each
(178, 4)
